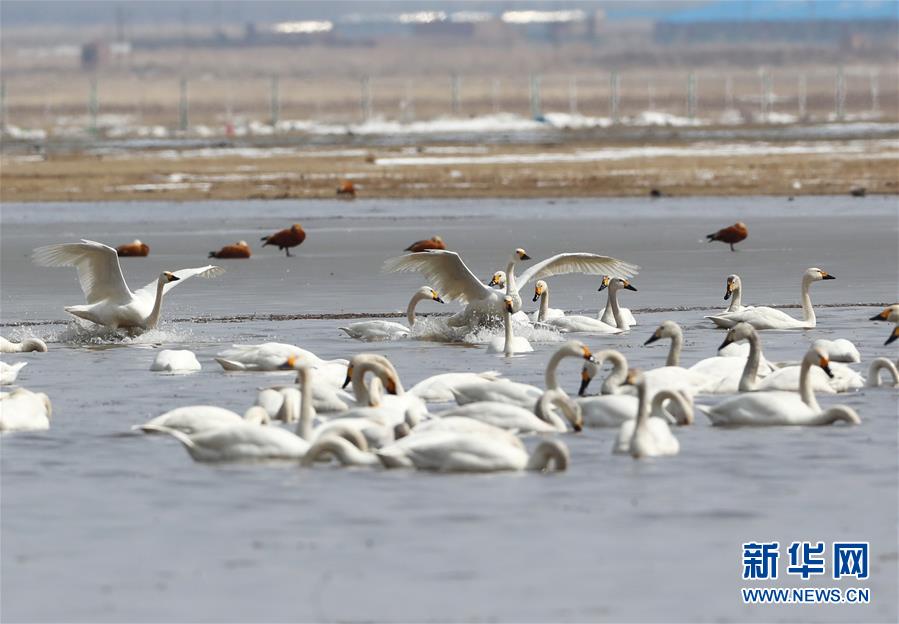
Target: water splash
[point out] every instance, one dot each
(77, 334)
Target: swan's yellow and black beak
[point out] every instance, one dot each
(881, 316)
(826, 275)
(509, 306)
(494, 281)
(585, 381)
(289, 364)
(522, 254)
(587, 354)
(349, 376)
(824, 363)
(654, 337)
(578, 424)
(171, 277)
(390, 385)
(604, 284)
(436, 297)
(893, 336)
(729, 289)
(627, 285)
(537, 292)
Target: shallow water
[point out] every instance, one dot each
(121, 527)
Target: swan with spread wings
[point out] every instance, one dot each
(109, 300)
(454, 280)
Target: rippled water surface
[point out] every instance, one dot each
(99, 524)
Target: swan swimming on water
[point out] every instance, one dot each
(369, 331)
(175, 361)
(509, 344)
(767, 408)
(578, 323)
(645, 436)
(878, 365)
(109, 300)
(24, 410)
(455, 280)
(192, 419)
(27, 345)
(764, 317)
(608, 314)
(544, 312)
(9, 372)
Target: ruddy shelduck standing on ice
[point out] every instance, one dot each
(730, 235)
(285, 239)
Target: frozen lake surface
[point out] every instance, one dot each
(99, 524)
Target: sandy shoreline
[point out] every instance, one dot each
(584, 169)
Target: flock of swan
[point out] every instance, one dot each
(358, 412)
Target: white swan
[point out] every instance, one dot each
(523, 395)
(782, 408)
(878, 365)
(733, 290)
(439, 388)
(544, 312)
(763, 317)
(109, 300)
(665, 377)
(9, 372)
(612, 410)
(645, 436)
(347, 453)
(509, 344)
(369, 331)
(24, 410)
(452, 451)
(586, 324)
(541, 419)
(607, 316)
(175, 361)
(270, 356)
(455, 281)
(29, 344)
(673, 374)
(192, 419)
(839, 350)
(889, 314)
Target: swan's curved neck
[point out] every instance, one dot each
(606, 315)
(544, 305)
(878, 365)
(751, 370)
(677, 343)
(345, 452)
(805, 386)
(612, 383)
(546, 452)
(360, 390)
(545, 409)
(507, 322)
(410, 310)
(642, 407)
(304, 426)
(834, 414)
(736, 299)
(511, 288)
(685, 410)
(620, 323)
(550, 378)
(153, 319)
(808, 312)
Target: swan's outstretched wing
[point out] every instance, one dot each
(578, 262)
(210, 270)
(445, 271)
(98, 268)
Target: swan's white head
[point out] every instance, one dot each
(576, 348)
(168, 276)
(616, 283)
(740, 331)
(606, 280)
(498, 280)
(430, 293)
(733, 283)
(889, 313)
(816, 356)
(815, 274)
(539, 288)
(668, 329)
(509, 304)
(519, 255)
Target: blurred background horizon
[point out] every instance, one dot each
(213, 68)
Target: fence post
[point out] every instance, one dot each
(275, 101)
(183, 107)
(536, 112)
(93, 105)
(572, 95)
(408, 105)
(875, 90)
(614, 83)
(803, 89)
(840, 103)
